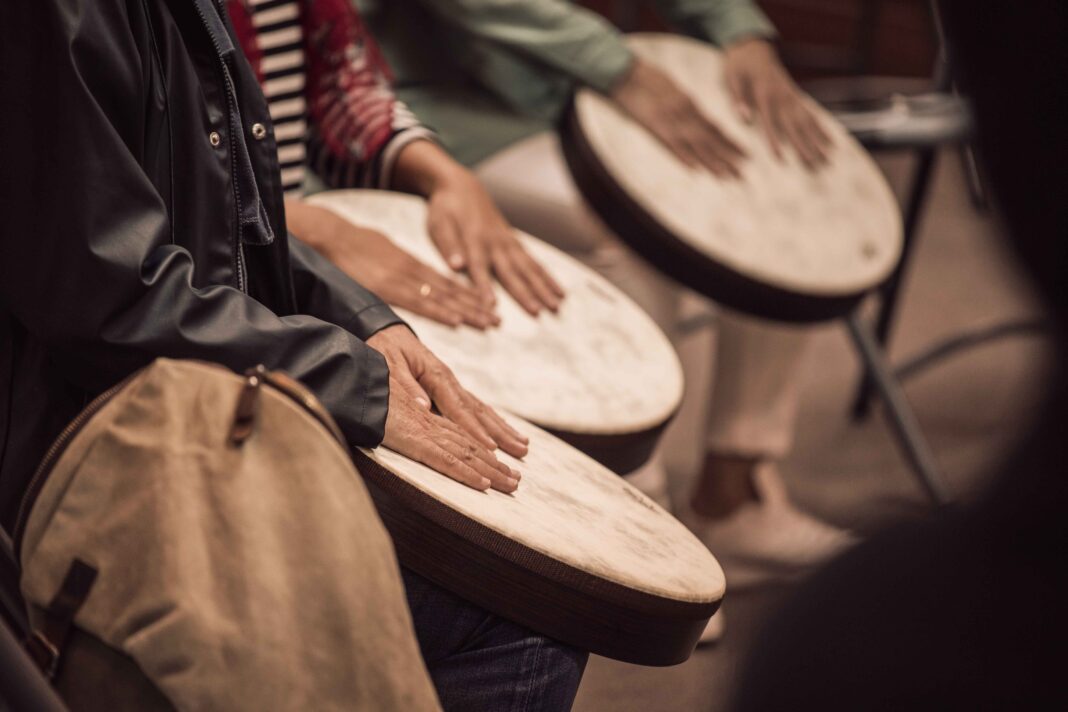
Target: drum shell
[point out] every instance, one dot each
(528, 587)
(623, 453)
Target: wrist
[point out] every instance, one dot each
(626, 79)
(423, 167)
(748, 41)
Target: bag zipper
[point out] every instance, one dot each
(244, 421)
(59, 446)
(245, 413)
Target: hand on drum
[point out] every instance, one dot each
(763, 91)
(473, 236)
(652, 99)
(371, 258)
(460, 441)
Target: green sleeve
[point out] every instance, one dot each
(556, 33)
(718, 21)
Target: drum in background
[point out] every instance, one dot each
(783, 242)
(576, 553)
(599, 374)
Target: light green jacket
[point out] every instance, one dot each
(486, 73)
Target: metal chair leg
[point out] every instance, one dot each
(909, 435)
(970, 339)
(973, 177)
(888, 293)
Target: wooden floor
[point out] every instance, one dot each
(972, 407)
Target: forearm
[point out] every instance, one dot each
(423, 167)
(312, 225)
(560, 35)
(721, 22)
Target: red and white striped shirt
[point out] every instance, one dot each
(328, 90)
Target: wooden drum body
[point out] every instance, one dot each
(575, 553)
(783, 242)
(599, 374)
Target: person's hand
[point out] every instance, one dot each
(652, 99)
(459, 443)
(474, 237)
(763, 92)
(378, 264)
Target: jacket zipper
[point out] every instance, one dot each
(224, 72)
(242, 282)
(244, 421)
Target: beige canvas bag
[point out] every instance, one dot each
(238, 559)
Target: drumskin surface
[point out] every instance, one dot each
(575, 553)
(599, 373)
(783, 242)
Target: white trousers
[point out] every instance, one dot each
(755, 371)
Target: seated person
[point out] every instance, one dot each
(493, 78)
(328, 91)
(144, 218)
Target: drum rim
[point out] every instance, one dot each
(404, 507)
(676, 257)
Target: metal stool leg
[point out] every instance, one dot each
(970, 339)
(899, 412)
(888, 293)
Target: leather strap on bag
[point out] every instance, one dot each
(46, 640)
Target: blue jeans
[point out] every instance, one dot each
(480, 662)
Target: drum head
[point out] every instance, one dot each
(783, 242)
(575, 553)
(599, 373)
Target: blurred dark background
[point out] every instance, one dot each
(821, 38)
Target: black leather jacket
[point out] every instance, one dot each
(141, 215)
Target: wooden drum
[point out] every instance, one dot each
(599, 374)
(575, 553)
(783, 242)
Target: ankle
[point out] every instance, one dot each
(725, 485)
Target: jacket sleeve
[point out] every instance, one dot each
(328, 293)
(718, 21)
(88, 263)
(571, 39)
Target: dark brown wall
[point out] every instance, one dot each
(829, 37)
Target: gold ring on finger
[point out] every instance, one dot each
(424, 291)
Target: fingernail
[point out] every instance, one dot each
(483, 483)
(516, 475)
(423, 402)
(456, 261)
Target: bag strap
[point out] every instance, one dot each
(47, 638)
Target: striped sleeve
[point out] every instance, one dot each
(357, 125)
